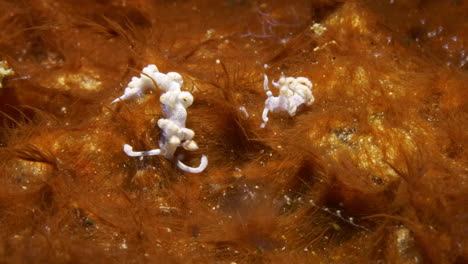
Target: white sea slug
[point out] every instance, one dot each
(175, 103)
(293, 92)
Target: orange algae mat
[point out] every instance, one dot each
(374, 171)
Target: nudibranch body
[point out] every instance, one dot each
(175, 103)
(293, 92)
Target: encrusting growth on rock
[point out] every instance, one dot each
(373, 171)
(175, 103)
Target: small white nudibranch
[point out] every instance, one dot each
(293, 92)
(175, 103)
(4, 71)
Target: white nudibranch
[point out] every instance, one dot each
(175, 103)
(293, 92)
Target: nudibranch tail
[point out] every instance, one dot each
(200, 168)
